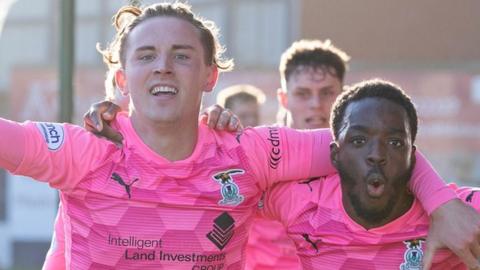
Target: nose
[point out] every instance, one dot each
(315, 101)
(376, 155)
(162, 65)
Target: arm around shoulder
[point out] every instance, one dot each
(279, 154)
(427, 185)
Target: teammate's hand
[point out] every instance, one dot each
(98, 118)
(219, 118)
(456, 226)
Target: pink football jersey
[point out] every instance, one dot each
(129, 208)
(327, 238)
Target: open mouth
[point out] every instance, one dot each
(375, 186)
(317, 121)
(163, 90)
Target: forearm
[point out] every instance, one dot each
(12, 144)
(428, 186)
(287, 154)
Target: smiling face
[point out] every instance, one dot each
(374, 155)
(309, 97)
(165, 72)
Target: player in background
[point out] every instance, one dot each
(244, 101)
(312, 73)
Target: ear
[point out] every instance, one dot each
(121, 81)
(334, 154)
(212, 78)
(282, 98)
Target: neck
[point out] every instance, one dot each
(172, 140)
(400, 206)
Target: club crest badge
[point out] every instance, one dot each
(230, 191)
(413, 256)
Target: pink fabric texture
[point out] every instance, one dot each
(129, 208)
(327, 238)
(269, 246)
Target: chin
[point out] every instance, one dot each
(163, 118)
(373, 209)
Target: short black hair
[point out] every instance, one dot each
(375, 88)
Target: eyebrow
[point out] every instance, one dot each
(390, 130)
(174, 47)
(145, 48)
(183, 47)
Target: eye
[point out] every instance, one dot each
(327, 93)
(396, 143)
(302, 94)
(358, 141)
(146, 57)
(181, 56)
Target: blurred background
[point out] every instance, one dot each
(430, 47)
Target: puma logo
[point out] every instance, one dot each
(314, 244)
(308, 181)
(117, 178)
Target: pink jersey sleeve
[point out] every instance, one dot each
(428, 186)
(469, 195)
(60, 154)
(281, 154)
(12, 144)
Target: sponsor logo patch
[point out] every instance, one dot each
(229, 190)
(275, 152)
(223, 229)
(53, 134)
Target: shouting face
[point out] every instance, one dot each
(374, 157)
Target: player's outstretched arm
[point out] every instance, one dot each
(456, 226)
(12, 144)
